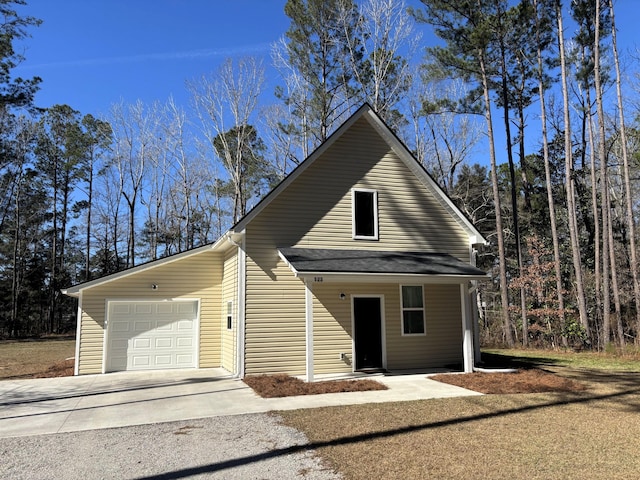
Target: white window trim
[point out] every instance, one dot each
(227, 315)
(353, 214)
(413, 309)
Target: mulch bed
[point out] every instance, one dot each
(523, 381)
(281, 385)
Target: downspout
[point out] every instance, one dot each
(473, 299)
(308, 315)
(239, 240)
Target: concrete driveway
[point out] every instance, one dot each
(71, 404)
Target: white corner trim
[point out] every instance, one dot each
(468, 354)
(76, 360)
(241, 306)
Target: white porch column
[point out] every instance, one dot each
(467, 330)
(308, 308)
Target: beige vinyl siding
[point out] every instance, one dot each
(229, 293)
(314, 211)
(442, 344)
(332, 328)
(196, 277)
(275, 312)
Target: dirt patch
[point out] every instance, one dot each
(36, 358)
(522, 381)
(281, 385)
(58, 369)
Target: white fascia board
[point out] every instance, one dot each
(287, 263)
(418, 170)
(220, 244)
(242, 224)
(351, 277)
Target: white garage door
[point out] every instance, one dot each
(151, 335)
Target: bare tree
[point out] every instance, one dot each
(449, 137)
(133, 147)
(379, 45)
(226, 104)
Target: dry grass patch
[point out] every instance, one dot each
(532, 436)
(586, 430)
(281, 385)
(36, 358)
(523, 381)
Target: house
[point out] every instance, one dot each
(355, 261)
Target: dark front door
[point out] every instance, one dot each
(367, 326)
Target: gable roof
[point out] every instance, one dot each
(366, 112)
(399, 149)
(75, 290)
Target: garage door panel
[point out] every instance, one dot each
(140, 361)
(184, 342)
(141, 326)
(184, 360)
(142, 308)
(164, 342)
(165, 325)
(151, 335)
(185, 325)
(165, 308)
(163, 360)
(141, 343)
(187, 308)
(118, 326)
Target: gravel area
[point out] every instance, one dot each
(234, 447)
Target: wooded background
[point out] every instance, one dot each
(82, 197)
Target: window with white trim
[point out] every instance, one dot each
(412, 301)
(229, 315)
(364, 207)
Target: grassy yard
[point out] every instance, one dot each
(591, 434)
(41, 357)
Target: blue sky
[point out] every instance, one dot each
(93, 53)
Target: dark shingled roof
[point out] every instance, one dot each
(309, 260)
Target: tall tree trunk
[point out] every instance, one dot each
(15, 280)
(504, 294)
(514, 194)
(595, 209)
(571, 206)
(627, 181)
(547, 172)
(614, 281)
(602, 156)
(53, 283)
(87, 266)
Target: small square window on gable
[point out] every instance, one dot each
(364, 208)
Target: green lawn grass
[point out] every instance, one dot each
(627, 361)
